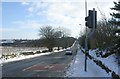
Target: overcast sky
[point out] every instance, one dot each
(21, 19)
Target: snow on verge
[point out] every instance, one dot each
(22, 57)
(77, 68)
(110, 61)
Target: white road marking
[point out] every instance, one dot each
(48, 67)
(29, 67)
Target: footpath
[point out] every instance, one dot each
(76, 68)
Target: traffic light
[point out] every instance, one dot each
(91, 19)
(87, 21)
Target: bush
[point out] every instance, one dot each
(38, 52)
(106, 55)
(7, 56)
(45, 51)
(13, 55)
(27, 53)
(115, 76)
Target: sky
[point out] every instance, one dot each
(21, 19)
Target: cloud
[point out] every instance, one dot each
(21, 30)
(2, 30)
(61, 13)
(67, 13)
(30, 9)
(25, 3)
(28, 24)
(36, 7)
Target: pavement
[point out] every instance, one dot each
(77, 68)
(53, 65)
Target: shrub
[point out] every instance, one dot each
(27, 53)
(38, 52)
(115, 76)
(7, 56)
(45, 51)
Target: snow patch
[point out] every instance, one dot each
(22, 57)
(77, 68)
(110, 61)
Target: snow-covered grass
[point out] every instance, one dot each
(110, 61)
(19, 57)
(76, 68)
(9, 49)
(22, 57)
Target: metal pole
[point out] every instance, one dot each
(93, 18)
(86, 39)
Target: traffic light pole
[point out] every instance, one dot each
(93, 18)
(91, 24)
(86, 40)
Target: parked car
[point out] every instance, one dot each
(68, 52)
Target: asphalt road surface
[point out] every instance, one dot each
(53, 65)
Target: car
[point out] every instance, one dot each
(68, 52)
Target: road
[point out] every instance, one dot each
(53, 65)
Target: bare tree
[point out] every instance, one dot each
(64, 31)
(49, 35)
(105, 34)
